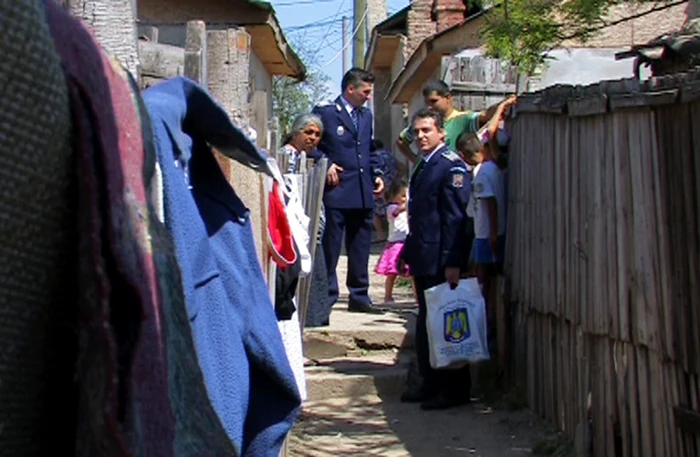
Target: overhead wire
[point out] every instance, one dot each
(310, 25)
(330, 27)
(360, 23)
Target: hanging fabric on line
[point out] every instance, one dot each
(280, 242)
(111, 368)
(285, 280)
(146, 325)
(238, 342)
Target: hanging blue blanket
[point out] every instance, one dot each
(239, 347)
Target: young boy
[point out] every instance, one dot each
(487, 203)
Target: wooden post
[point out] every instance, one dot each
(114, 24)
(273, 143)
(228, 68)
(196, 52)
(228, 80)
(148, 33)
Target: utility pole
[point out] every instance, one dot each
(360, 33)
(346, 45)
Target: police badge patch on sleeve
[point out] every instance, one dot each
(457, 180)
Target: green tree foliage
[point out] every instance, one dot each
(291, 97)
(523, 31)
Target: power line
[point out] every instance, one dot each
(359, 25)
(311, 25)
(336, 41)
(317, 23)
(330, 26)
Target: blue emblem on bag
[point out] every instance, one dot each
(456, 325)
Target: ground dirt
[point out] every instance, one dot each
(365, 417)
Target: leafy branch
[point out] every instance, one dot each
(291, 97)
(524, 31)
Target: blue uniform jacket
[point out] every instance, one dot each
(437, 215)
(238, 344)
(349, 149)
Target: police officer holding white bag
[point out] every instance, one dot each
(434, 250)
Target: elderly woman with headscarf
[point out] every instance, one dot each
(304, 137)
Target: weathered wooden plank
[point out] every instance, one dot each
(598, 265)
(483, 87)
(645, 411)
(195, 57)
(622, 395)
(598, 397)
(536, 105)
(148, 33)
(612, 311)
(657, 404)
(642, 99)
(633, 396)
(642, 299)
(688, 183)
(588, 106)
(583, 432)
(161, 60)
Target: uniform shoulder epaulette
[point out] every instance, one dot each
(451, 156)
(325, 105)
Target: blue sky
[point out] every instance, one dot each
(320, 22)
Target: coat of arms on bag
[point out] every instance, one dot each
(456, 325)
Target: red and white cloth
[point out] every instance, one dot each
(279, 233)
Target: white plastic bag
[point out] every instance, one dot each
(299, 223)
(456, 323)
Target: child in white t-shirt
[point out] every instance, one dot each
(398, 231)
(487, 203)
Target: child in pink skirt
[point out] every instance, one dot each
(398, 231)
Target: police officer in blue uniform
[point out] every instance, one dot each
(353, 178)
(434, 249)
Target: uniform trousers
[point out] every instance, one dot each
(453, 384)
(357, 225)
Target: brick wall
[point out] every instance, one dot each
(420, 23)
(448, 13)
(376, 14)
(427, 17)
(637, 31)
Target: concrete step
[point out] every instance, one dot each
(350, 332)
(370, 373)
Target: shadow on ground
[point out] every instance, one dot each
(380, 425)
(359, 413)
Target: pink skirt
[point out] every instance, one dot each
(389, 258)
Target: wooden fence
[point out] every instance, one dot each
(478, 82)
(602, 263)
(312, 178)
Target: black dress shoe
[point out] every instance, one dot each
(443, 402)
(415, 396)
(363, 308)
